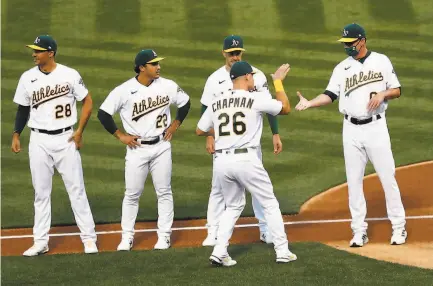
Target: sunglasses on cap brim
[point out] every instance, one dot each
(349, 44)
(234, 53)
(40, 51)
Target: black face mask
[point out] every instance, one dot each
(352, 51)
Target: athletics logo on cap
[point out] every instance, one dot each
(44, 43)
(235, 43)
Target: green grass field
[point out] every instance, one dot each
(320, 265)
(100, 39)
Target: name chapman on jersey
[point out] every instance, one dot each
(361, 79)
(232, 102)
(48, 93)
(144, 106)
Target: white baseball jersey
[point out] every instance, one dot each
(355, 83)
(52, 96)
(236, 117)
(145, 110)
(220, 81)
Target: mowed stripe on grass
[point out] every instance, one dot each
(103, 53)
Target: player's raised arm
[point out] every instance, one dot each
(281, 95)
(261, 85)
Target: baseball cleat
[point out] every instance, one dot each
(210, 240)
(359, 239)
(399, 237)
(162, 243)
(36, 250)
(286, 257)
(266, 237)
(125, 244)
(90, 247)
(226, 261)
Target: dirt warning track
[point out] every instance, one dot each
(325, 218)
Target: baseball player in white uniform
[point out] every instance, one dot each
(218, 83)
(46, 96)
(144, 106)
(234, 118)
(364, 82)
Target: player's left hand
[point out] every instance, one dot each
(278, 145)
(375, 101)
(77, 137)
(171, 129)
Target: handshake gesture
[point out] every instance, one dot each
(303, 103)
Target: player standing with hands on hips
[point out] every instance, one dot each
(218, 83)
(144, 106)
(364, 82)
(235, 119)
(46, 96)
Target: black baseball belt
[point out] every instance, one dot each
(357, 121)
(235, 151)
(52, 132)
(151, 142)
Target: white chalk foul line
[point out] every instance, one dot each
(204, 227)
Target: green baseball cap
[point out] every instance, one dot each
(145, 57)
(239, 69)
(44, 43)
(233, 43)
(351, 33)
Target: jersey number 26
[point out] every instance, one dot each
(238, 126)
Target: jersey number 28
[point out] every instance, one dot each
(63, 111)
(238, 127)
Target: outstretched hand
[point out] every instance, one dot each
(303, 103)
(281, 72)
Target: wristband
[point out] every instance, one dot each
(278, 84)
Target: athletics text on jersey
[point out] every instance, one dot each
(52, 96)
(145, 110)
(355, 83)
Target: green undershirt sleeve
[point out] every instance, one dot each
(203, 108)
(273, 122)
(182, 112)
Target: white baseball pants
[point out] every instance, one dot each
(216, 205)
(361, 143)
(139, 161)
(235, 173)
(47, 152)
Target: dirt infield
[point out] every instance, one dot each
(324, 218)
